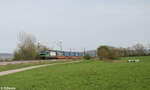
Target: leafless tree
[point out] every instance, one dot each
(27, 48)
(139, 49)
(26, 39)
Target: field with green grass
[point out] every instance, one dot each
(23, 65)
(85, 75)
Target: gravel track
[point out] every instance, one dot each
(28, 68)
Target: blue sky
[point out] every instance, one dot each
(77, 23)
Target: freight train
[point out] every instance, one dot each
(56, 54)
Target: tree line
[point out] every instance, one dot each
(113, 53)
(136, 50)
(29, 49)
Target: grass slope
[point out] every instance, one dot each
(88, 75)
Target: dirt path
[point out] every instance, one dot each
(28, 61)
(28, 68)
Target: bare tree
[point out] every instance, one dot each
(27, 49)
(26, 39)
(139, 49)
(43, 48)
(148, 46)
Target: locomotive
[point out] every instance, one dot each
(56, 54)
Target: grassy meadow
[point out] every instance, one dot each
(85, 75)
(23, 65)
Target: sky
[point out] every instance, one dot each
(78, 24)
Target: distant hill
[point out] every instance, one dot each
(6, 55)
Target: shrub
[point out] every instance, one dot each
(27, 49)
(114, 53)
(103, 52)
(108, 52)
(87, 57)
(17, 56)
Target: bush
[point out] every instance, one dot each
(26, 53)
(103, 52)
(108, 52)
(114, 53)
(27, 49)
(87, 57)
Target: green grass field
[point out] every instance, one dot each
(23, 65)
(87, 75)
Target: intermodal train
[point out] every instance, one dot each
(56, 54)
